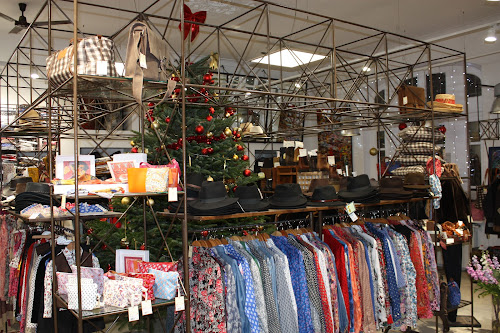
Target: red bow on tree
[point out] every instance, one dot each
(199, 17)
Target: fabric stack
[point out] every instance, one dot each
(417, 149)
(359, 189)
(360, 279)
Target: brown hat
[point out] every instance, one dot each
(392, 186)
(415, 181)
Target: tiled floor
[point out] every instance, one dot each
(483, 312)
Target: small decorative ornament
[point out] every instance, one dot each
(163, 147)
(155, 125)
(199, 129)
(245, 233)
(402, 126)
(234, 188)
(151, 104)
(132, 143)
(104, 247)
(124, 242)
(118, 225)
(151, 202)
(239, 148)
(210, 179)
(210, 150)
(134, 150)
(373, 151)
(227, 131)
(210, 135)
(239, 129)
(167, 120)
(227, 115)
(204, 151)
(209, 118)
(236, 157)
(442, 129)
(211, 110)
(245, 157)
(204, 233)
(143, 247)
(247, 172)
(126, 201)
(90, 231)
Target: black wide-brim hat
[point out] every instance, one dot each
(358, 187)
(231, 209)
(212, 196)
(287, 196)
(325, 196)
(250, 198)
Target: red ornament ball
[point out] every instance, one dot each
(199, 129)
(134, 150)
(244, 157)
(143, 247)
(204, 233)
(211, 110)
(209, 118)
(151, 104)
(210, 150)
(90, 231)
(207, 77)
(245, 233)
(402, 126)
(239, 148)
(442, 129)
(247, 172)
(204, 151)
(104, 247)
(167, 120)
(238, 135)
(176, 78)
(118, 225)
(234, 188)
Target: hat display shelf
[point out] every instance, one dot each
(352, 63)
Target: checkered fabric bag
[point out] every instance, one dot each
(417, 133)
(95, 56)
(408, 160)
(403, 171)
(419, 148)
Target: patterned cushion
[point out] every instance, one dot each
(148, 281)
(144, 266)
(420, 148)
(417, 133)
(408, 160)
(166, 284)
(403, 171)
(96, 274)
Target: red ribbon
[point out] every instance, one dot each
(199, 17)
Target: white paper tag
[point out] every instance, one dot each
(287, 144)
(278, 153)
(460, 223)
(354, 173)
(350, 208)
(101, 67)
(105, 195)
(405, 100)
(179, 303)
(261, 164)
(34, 216)
(190, 252)
(353, 217)
(172, 194)
(276, 164)
(142, 61)
(146, 307)
(133, 313)
(460, 232)
(339, 171)
(331, 160)
(299, 144)
(302, 152)
(450, 241)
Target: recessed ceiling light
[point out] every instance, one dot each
(35, 76)
(289, 58)
(491, 36)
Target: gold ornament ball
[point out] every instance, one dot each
(125, 201)
(236, 157)
(227, 131)
(155, 125)
(151, 202)
(227, 115)
(210, 134)
(239, 129)
(132, 143)
(163, 147)
(373, 151)
(210, 179)
(227, 187)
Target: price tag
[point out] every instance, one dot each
(331, 160)
(102, 67)
(261, 164)
(276, 164)
(353, 217)
(302, 152)
(350, 208)
(287, 144)
(133, 313)
(147, 309)
(299, 144)
(339, 171)
(179, 303)
(142, 61)
(172, 194)
(190, 252)
(354, 173)
(450, 241)
(278, 153)
(405, 100)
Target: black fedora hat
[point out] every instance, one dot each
(358, 187)
(287, 196)
(193, 187)
(325, 196)
(250, 198)
(212, 196)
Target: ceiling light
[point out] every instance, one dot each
(35, 76)
(297, 85)
(491, 36)
(495, 108)
(289, 58)
(366, 69)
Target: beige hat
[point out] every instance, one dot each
(246, 128)
(257, 131)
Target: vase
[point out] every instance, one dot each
(495, 325)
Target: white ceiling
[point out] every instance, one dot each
(458, 24)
